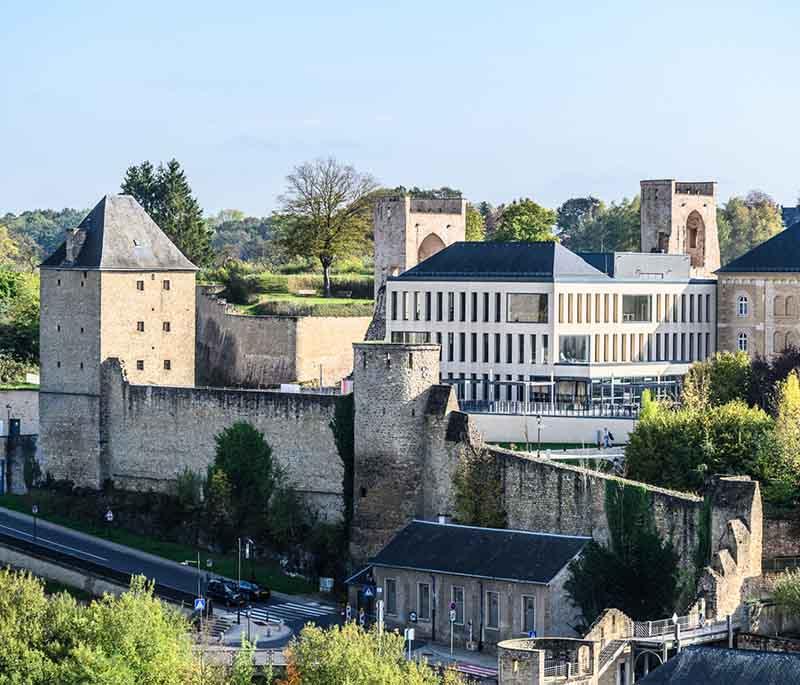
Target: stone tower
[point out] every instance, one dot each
(406, 440)
(116, 287)
(681, 218)
(408, 230)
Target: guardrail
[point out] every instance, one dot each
(606, 410)
(97, 570)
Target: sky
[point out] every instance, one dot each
(548, 100)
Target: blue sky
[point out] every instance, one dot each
(544, 99)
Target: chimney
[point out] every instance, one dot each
(75, 238)
(443, 519)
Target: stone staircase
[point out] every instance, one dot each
(609, 654)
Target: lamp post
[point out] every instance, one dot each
(192, 562)
(35, 512)
(538, 435)
(109, 517)
(8, 423)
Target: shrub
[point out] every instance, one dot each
(283, 308)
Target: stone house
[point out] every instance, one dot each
(500, 584)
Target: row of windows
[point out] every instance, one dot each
(165, 285)
(580, 308)
(781, 306)
(166, 327)
(457, 601)
(676, 347)
(438, 306)
(489, 348)
(139, 365)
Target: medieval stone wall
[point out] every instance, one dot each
(152, 433)
(235, 350)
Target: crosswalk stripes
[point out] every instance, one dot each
(292, 611)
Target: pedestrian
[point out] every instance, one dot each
(610, 439)
(605, 437)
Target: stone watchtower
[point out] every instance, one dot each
(116, 287)
(408, 433)
(408, 230)
(681, 218)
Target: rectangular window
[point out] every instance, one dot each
(417, 306)
(579, 308)
(675, 355)
(597, 347)
(708, 308)
(485, 348)
(139, 285)
(683, 346)
(390, 590)
(439, 309)
(633, 348)
(641, 352)
(423, 602)
(474, 308)
(605, 348)
(527, 307)
(450, 343)
(636, 307)
(165, 285)
(439, 343)
(560, 307)
(616, 308)
(708, 342)
(496, 348)
(166, 327)
(497, 386)
(691, 348)
(528, 614)
(569, 308)
(573, 349)
(666, 308)
(545, 349)
(597, 308)
(675, 309)
(462, 347)
(486, 306)
(699, 309)
(405, 305)
(394, 305)
(691, 308)
(533, 349)
(451, 306)
(521, 348)
(140, 326)
(167, 365)
(624, 340)
(462, 301)
(614, 347)
(493, 610)
(473, 339)
(658, 347)
(605, 308)
(588, 308)
(457, 599)
(658, 308)
(683, 308)
(509, 348)
(140, 364)
(497, 307)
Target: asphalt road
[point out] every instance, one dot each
(294, 611)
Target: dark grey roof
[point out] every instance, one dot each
(119, 235)
(602, 261)
(715, 666)
(545, 261)
(790, 215)
(780, 253)
(480, 552)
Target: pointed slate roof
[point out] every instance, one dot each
(780, 253)
(493, 261)
(118, 235)
(515, 555)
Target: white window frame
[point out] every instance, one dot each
(522, 615)
(742, 342)
(489, 612)
(453, 589)
(742, 306)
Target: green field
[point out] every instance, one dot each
(267, 573)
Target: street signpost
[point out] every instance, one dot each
(380, 617)
(408, 635)
(199, 604)
(452, 624)
(413, 617)
(35, 512)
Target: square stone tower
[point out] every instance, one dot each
(408, 230)
(681, 218)
(116, 287)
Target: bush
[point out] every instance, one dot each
(359, 287)
(283, 308)
(275, 284)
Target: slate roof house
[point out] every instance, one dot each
(500, 583)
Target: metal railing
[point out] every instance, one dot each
(557, 668)
(605, 410)
(689, 625)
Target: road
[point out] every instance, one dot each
(294, 611)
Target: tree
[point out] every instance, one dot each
(614, 227)
(721, 379)
(19, 316)
(348, 654)
(574, 214)
(745, 222)
(524, 220)
(781, 471)
(476, 228)
(245, 458)
(326, 212)
(786, 591)
(166, 196)
(489, 215)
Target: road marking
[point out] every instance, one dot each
(291, 611)
(53, 542)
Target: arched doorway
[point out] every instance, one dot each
(696, 239)
(429, 247)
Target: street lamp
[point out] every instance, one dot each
(8, 423)
(538, 435)
(109, 517)
(192, 562)
(35, 512)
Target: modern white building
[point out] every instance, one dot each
(535, 328)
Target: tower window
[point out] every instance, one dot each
(165, 327)
(58, 328)
(167, 365)
(140, 364)
(81, 329)
(165, 285)
(59, 281)
(140, 326)
(741, 342)
(139, 285)
(81, 365)
(742, 306)
(58, 365)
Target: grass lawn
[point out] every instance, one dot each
(18, 386)
(311, 300)
(267, 573)
(554, 446)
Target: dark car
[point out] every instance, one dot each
(253, 593)
(224, 593)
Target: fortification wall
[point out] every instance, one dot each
(152, 433)
(24, 406)
(235, 350)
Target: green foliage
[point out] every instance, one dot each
(575, 214)
(243, 670)
(637, 572)
(782, 458)
(478, 489)
(603, 228)
(304, 307)
(723, 378)
(19, 318)
(351, 655)
(745, 222)
(326, 212)
(37, 233)
(786, 591)
(165, 195)
(475, 225)
(343, 428)
(524, 220)
(246, 238)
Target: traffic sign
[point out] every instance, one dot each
(199, 604)
(413, 617)
(452, 615)
(35, 509)
(368, 591)
(531, 633)
(109, 516)
(408, 634)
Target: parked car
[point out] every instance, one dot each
(253, 593)
(224, 592)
